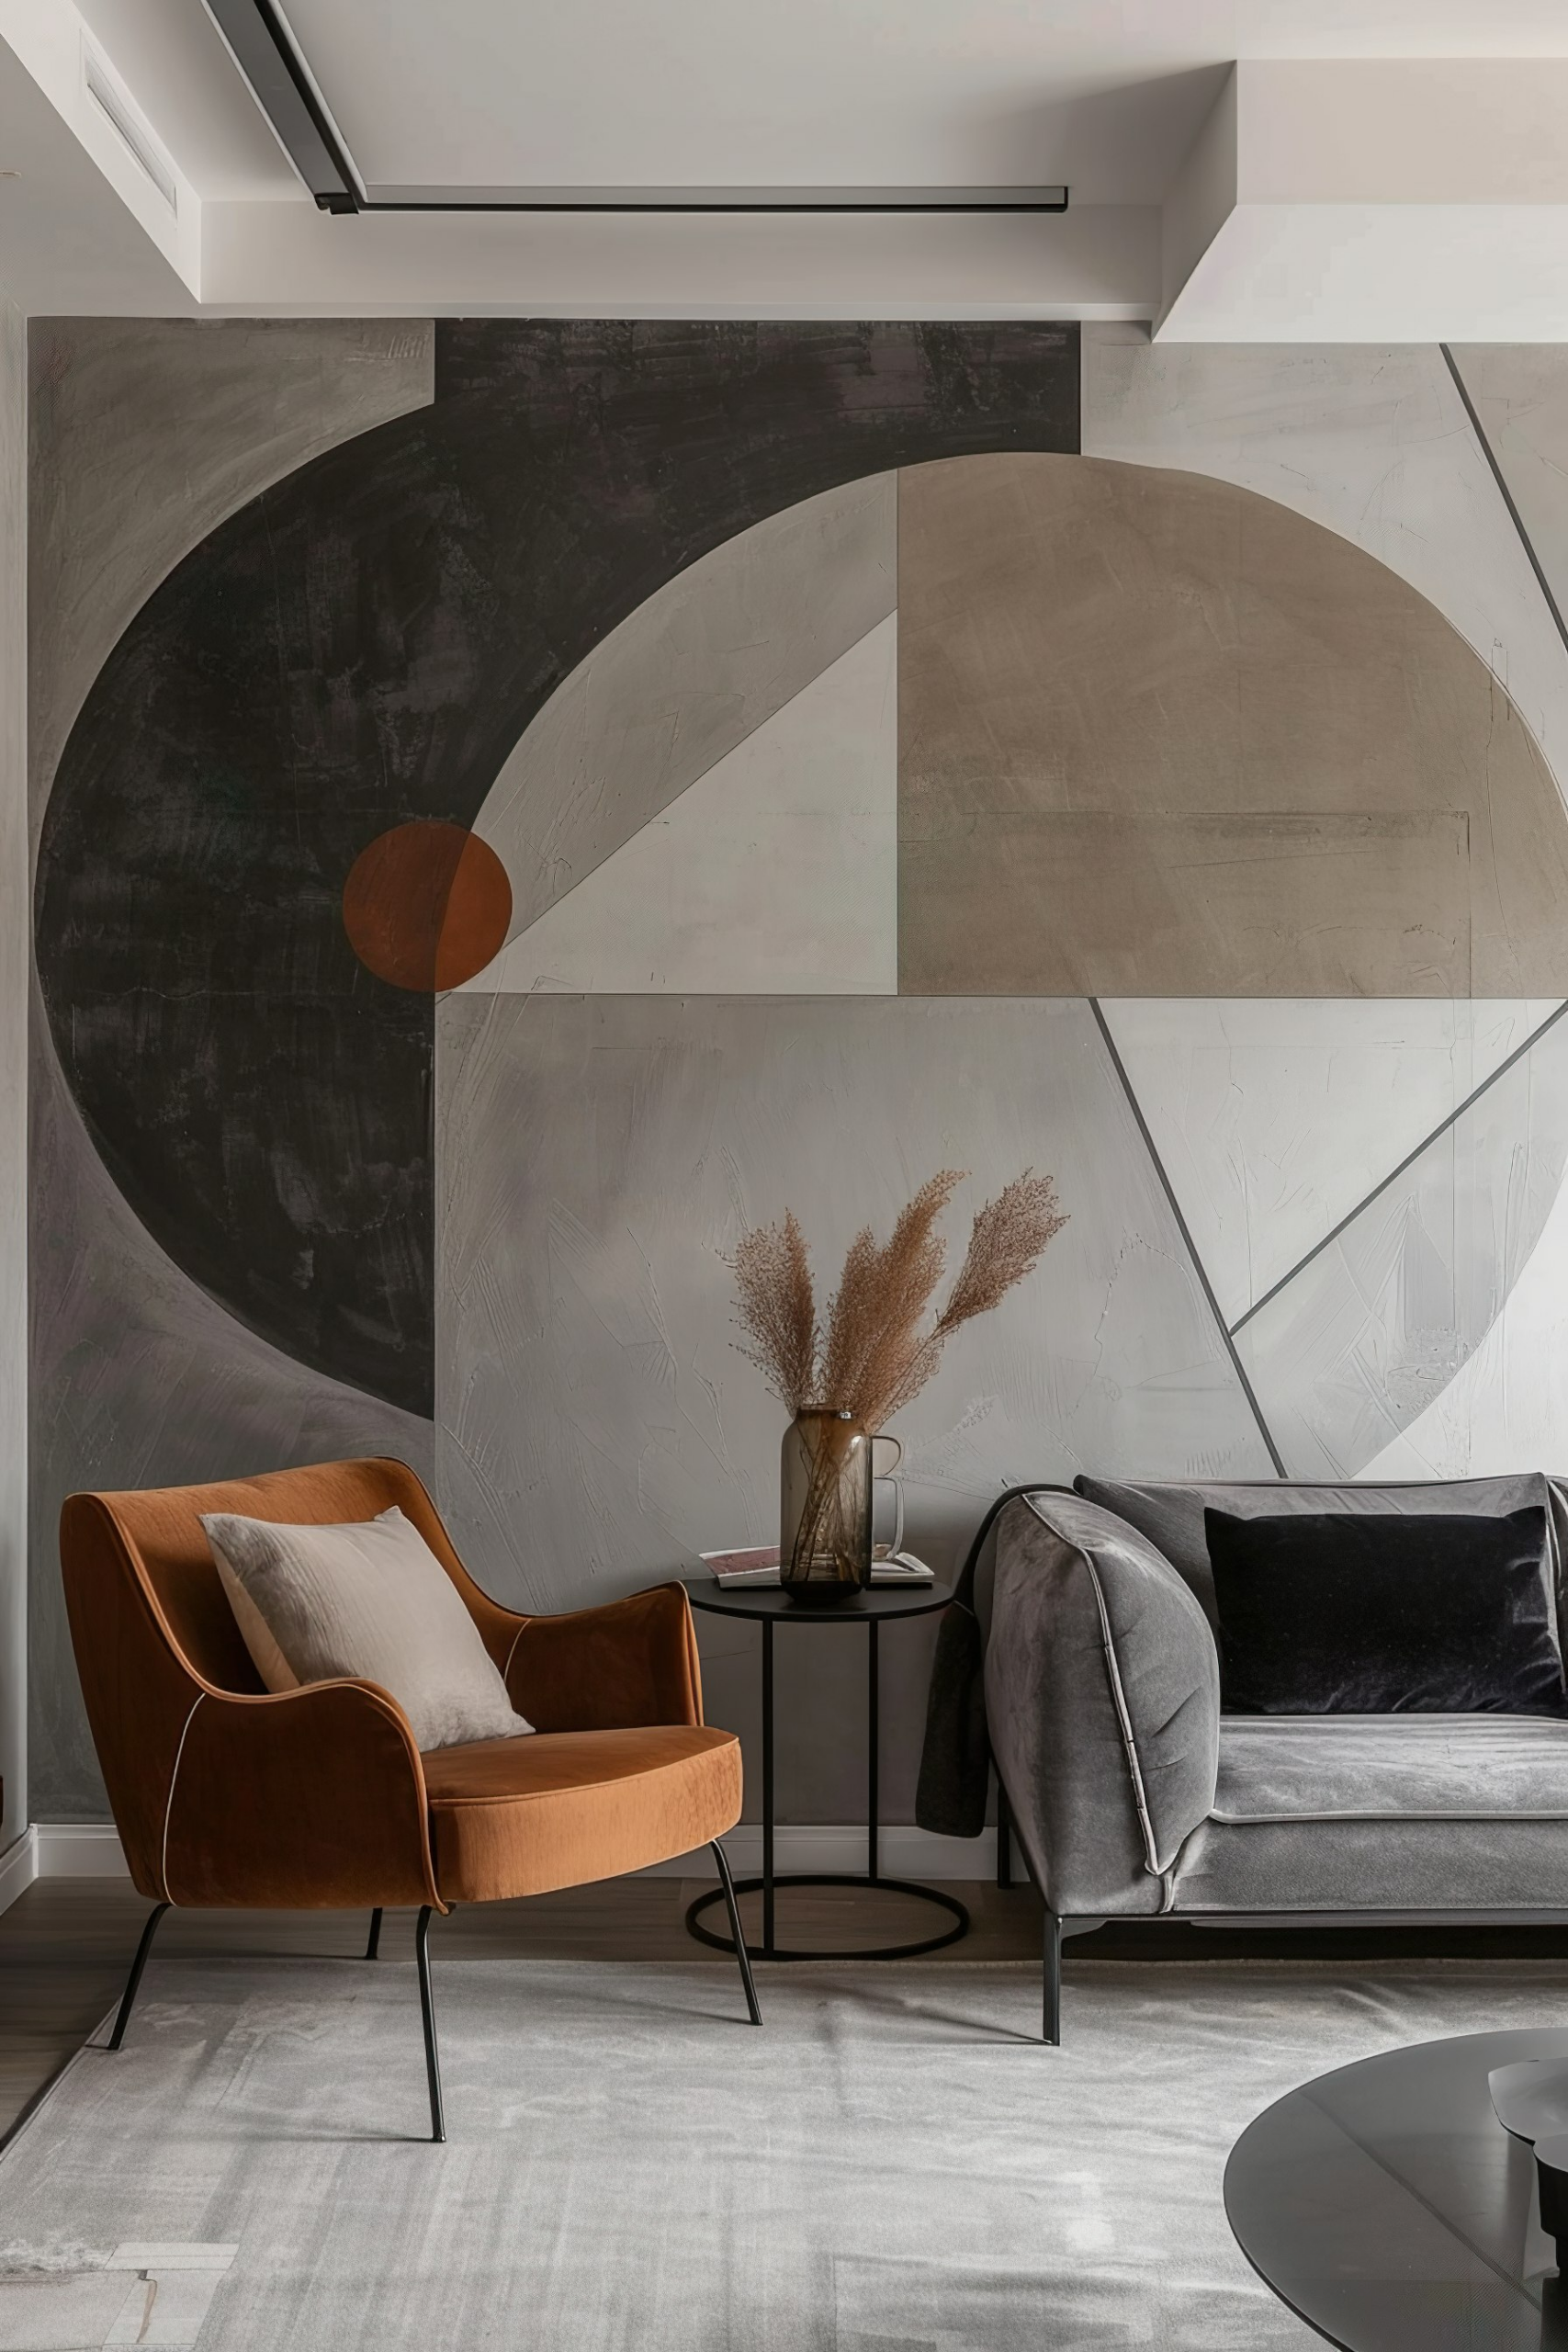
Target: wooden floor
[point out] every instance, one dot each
(65, 1945)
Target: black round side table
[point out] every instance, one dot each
(768, 1606)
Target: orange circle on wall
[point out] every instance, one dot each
(426, 906)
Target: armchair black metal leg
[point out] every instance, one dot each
(373, 1946)
(427, 2010)
(741, 1954)
(1053, 2021)
(134, 1979)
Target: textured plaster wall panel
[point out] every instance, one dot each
(1276, 1118)
(14, 968)
(1065, 904)
(1520, 392)
(1506, 1407)
(1372, 441)
(685, 678)
(598, 1157)
(151, 431)
(143, 435)
(776, 872)
(1160, 736)
(140, 1379)
(1368, 1335)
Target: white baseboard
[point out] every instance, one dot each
(79, 1850)
(92, 1849)
(902, 1851)
(18, 1867)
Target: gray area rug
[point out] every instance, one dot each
(889, 2166)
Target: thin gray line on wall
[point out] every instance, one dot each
(1409, 1160)
(1506, 494)
(1182, 1227)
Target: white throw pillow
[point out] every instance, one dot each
(369, 1599)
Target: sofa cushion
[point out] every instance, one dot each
(1338, 1612)
(1378, 1768)
(1169, 1512)
(520, 1816)
(1364, 1813)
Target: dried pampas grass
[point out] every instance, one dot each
(877, 1353)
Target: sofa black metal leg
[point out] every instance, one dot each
(1052, 2031)
(741, 1954)
(373, 1946)
(1004, 1836)
(427, 2010)
(134, 1979)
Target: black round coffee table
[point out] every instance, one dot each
(1387, 2206)
(769, 1605)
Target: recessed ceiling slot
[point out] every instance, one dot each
(115, 104)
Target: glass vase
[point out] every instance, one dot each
(825, 1506)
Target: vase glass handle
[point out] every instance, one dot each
(886, 1456)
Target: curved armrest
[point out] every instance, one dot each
(1102, 1693)
(630, 1663)
(307, 1800)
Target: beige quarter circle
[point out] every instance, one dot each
(1160, 736)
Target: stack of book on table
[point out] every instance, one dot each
(759, 1565)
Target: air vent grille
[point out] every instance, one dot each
(114, 103)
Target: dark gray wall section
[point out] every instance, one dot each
(144, 434)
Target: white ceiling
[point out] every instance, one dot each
(1110, 96)
(170, 54)
(1106, 94)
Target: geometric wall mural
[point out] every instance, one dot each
(610, 783)
(363, 646)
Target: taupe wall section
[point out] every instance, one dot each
(1372, 441)
(596, 1424)
(1161, 736)
(14, 928)
(145, 435)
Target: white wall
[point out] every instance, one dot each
(15, 930)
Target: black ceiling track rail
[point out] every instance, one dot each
(264, 53)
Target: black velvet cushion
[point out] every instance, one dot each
(1363, 1614)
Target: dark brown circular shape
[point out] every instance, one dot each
(426, 906)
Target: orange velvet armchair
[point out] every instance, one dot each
(226, 1794)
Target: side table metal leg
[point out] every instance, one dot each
(767, 1788)
(873, 1750)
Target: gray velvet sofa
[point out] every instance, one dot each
(1132, 1794)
